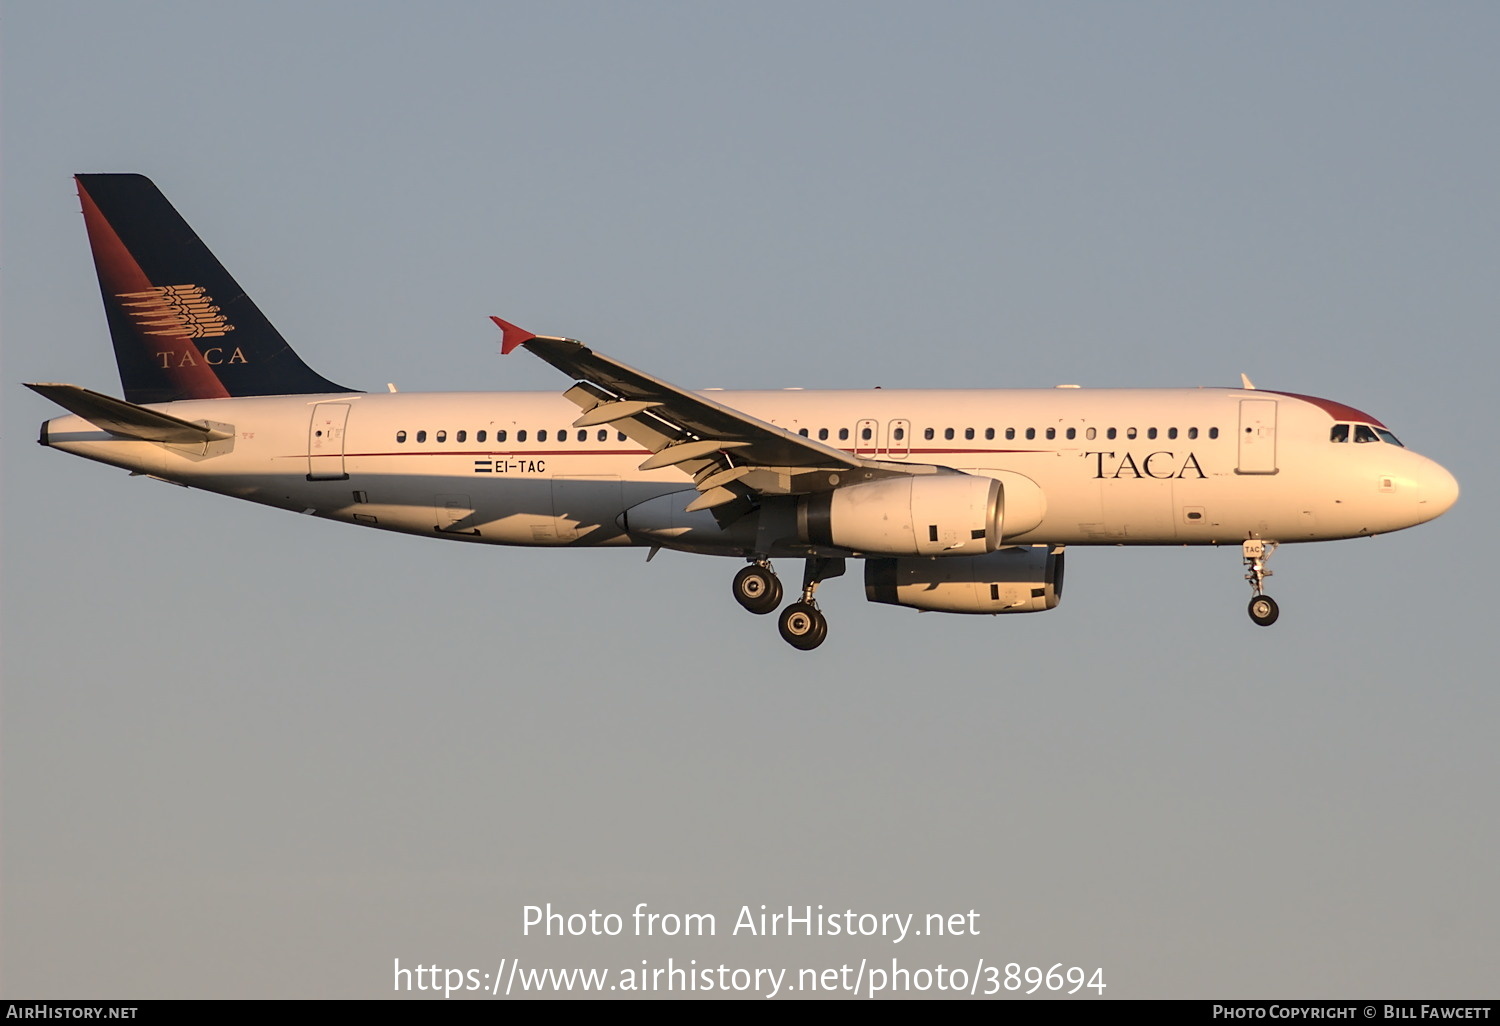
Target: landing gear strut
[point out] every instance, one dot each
(802, 624)
(757, 587)
(1263, 608)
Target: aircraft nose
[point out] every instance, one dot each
(1438, 490)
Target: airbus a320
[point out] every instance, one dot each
(958, 501)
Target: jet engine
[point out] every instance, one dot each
(1015, 579)
(949, 515)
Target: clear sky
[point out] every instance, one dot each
(247, 753)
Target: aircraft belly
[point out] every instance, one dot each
(584, 508)
(1137, 511)
(517, 512)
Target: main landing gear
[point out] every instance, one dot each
(1263, 608)
(757, 587)
(802, 624)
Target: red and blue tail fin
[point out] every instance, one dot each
(182, 327)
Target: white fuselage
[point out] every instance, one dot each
(1078, 466)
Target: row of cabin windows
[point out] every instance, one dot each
(866, 434)
(577, 435)
(898, 434)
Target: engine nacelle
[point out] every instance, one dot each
(938, 515)
(664, 521)
(1015, 579)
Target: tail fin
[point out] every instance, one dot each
(182, 327)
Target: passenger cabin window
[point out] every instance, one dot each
(929, 434)
(1192, 432)
(822, 434)
(948, 434)
(900, 434)
(989, 434)
(442, 436)
(1213, 432)
(521, 435)
(481, 436)
(843, 434)
(400, 437)
(421, 436)
(866, 434)
(461, 436)
(1030, 433)
(500, 435)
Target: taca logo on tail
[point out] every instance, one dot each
(172, 306)
(175, 310)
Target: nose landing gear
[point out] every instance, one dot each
(1263, 609)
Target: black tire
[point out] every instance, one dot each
(802, 626)
(757, 589)
(1263, 610)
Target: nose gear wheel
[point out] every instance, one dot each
(1263, 610)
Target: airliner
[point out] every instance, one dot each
(956, 501)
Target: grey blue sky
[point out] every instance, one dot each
(252, 754)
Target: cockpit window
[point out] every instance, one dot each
(1363, 433)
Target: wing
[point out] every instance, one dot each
(730, 455)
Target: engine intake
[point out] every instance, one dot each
(1015, 579)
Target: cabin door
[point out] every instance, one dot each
(325, 442)
(1257, 436)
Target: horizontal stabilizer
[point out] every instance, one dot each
(127, 419)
